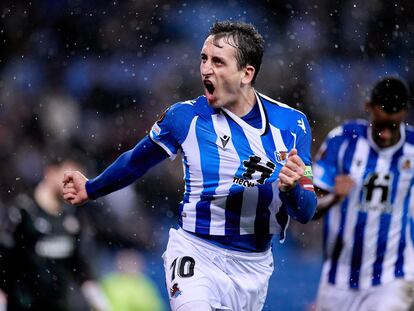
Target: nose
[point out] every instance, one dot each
(206, 69)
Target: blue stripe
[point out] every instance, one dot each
(357, 249)
(210, 164)
(359, 229)
(326, 222)
(412, 229)
(235, 198)
(385, 221)
(261, 223)
(233, 210)
(394, 168)
(339, 241)
(399, 265)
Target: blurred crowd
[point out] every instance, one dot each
(90, 77)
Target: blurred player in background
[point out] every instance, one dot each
(247, 169)
(41, 264)
(364, 179)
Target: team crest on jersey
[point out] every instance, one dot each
(175, 291)
(406, 164)
(281, 156)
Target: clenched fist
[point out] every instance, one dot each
(291, 172)
(74, 191)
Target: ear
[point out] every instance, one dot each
(368, 107)
(248, 74)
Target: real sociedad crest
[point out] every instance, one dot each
(281, 156)
(406, 165)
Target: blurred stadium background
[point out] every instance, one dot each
(93, 76)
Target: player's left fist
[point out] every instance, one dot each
(291, 172)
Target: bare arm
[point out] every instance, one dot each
(343, 186)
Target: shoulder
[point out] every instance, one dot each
(189, 109)
(409, 132)
(352, 129)
(285, 117)
(180, 110)
(274, 106)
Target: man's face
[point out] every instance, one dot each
(385, 126)
(221, 77)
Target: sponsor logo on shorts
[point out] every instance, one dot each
(175, 291)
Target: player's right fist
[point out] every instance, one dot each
(74, 190)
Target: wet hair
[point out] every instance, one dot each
(245, 38)
(391, 94)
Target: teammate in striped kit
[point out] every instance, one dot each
(366, 172)
(247, 170)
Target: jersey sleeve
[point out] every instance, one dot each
(304, 141)
(171, 128)
(326, 167)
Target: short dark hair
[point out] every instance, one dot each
(391, 94)
(247, 40)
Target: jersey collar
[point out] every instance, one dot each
(246, 126)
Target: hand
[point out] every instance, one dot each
(74, 190)
(95, 296)
(343, 185)
(291, 172)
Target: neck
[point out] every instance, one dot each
(46, 199)
(245, 103)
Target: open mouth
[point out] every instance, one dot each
(209, 86)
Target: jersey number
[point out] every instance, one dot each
(184, 267)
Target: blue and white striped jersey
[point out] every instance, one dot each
(368, 238)
(230, 167)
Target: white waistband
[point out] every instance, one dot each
(222, 251)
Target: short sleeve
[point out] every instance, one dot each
(172, 127)
(326, 166)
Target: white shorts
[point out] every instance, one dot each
(197, 270)
(397, 295)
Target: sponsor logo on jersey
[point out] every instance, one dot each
(224, 140)
(301, 124)
(252, 166)
(175, 291)
(243, 182)
(377, 193)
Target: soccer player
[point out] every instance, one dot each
(364, 178)
(42, 267)
(247, 170)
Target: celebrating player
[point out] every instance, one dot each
(247, 170)
(366, 172)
